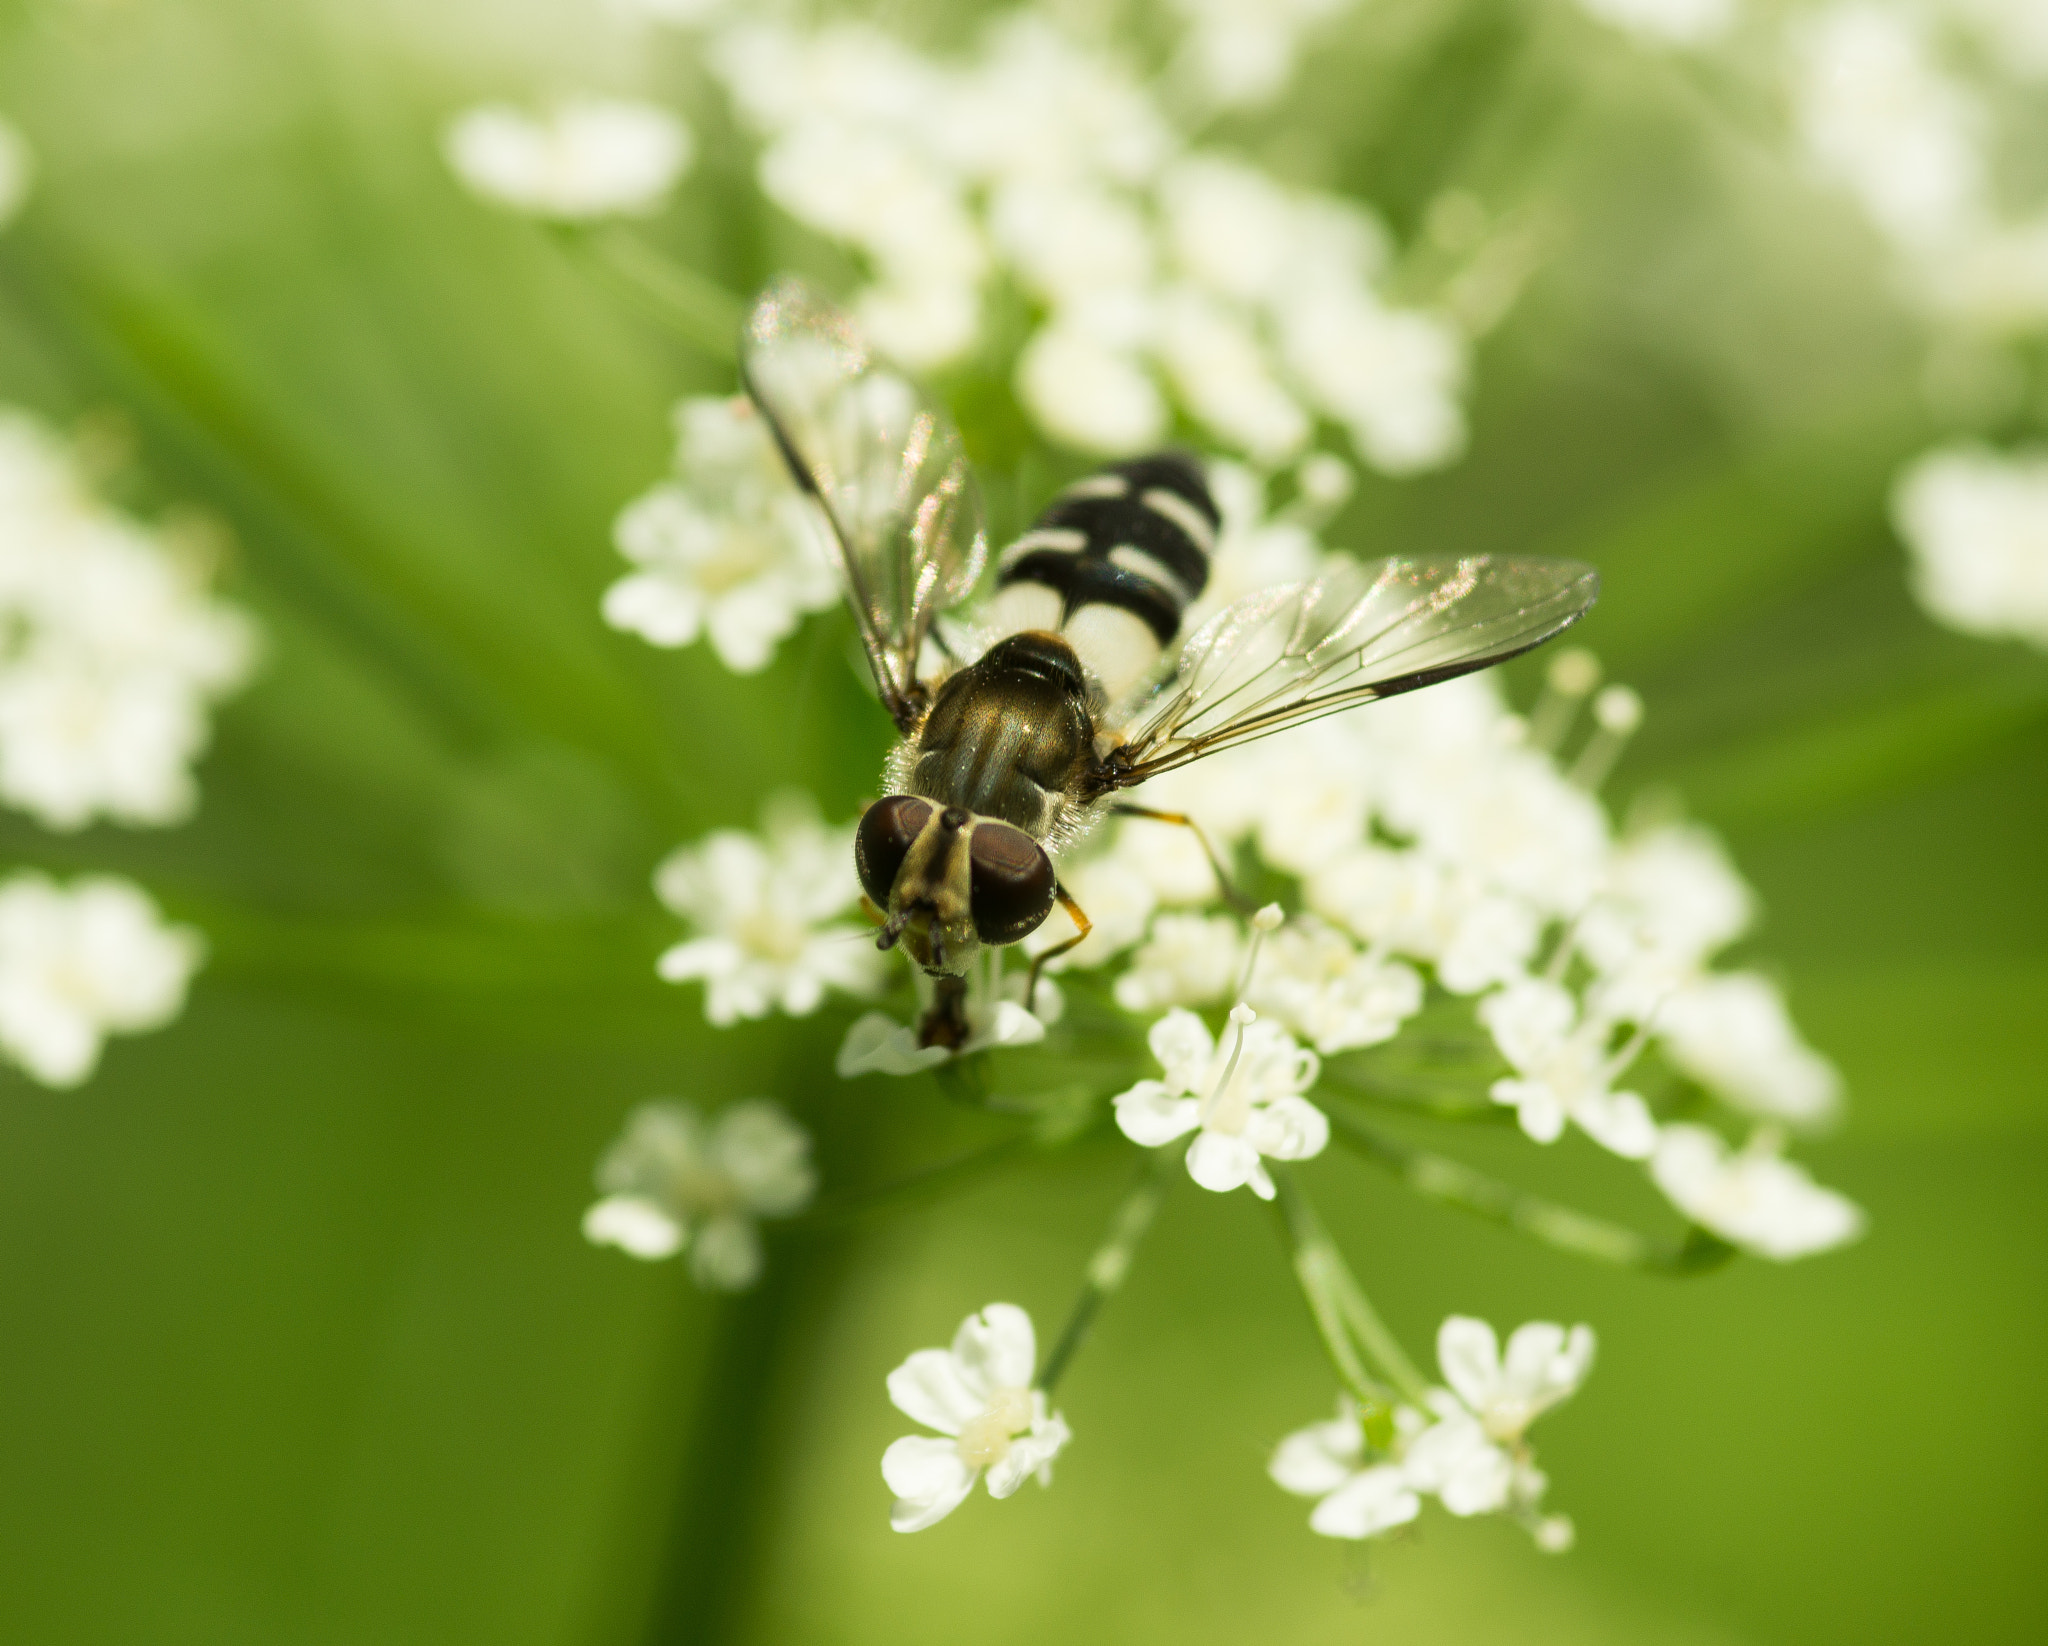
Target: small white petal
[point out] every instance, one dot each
(933, 1388)
(1150, 1115)
(1373, 1501)
(1469, 1353)
(1222, 1163)
(637, 1227)
(929, 1480)
(997, 1347)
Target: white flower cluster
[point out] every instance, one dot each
(729, 548)
(582, 158)
(1977, 523)
(993, 1426)
(1162, 275)
(767, 910)
(17, 172)
(675, 1180)
(113, 650)
(81, 962)
(1904, 105)
(1467, 1450)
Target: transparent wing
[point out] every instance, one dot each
(1302, 650)
(884, 464)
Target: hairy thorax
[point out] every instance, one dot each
(1011, 736)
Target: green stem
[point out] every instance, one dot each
(699, 310)
(1112, 1259)
(1438, 1177)
(1347, 1321)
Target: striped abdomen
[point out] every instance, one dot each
(1112, 565)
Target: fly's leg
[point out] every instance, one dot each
(945, 1022)
(1231, 895)
(1038, 965)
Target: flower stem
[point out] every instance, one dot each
(1112, 1259)
(696, 309)
(1347, 1321)
(1438, 1177)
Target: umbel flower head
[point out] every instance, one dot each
(675, 1180)
(1468, 1448)
(114, 648)
(978, 1395)
(727, 549)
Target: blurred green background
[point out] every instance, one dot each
(298, 1339)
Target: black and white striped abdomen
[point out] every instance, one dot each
(1112, 565)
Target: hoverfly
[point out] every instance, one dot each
(1012, 746)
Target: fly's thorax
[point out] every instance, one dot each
(949, 881)
(1011, 736)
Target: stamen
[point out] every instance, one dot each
(1570, 680)
(1268, 919)
(1241, 1016)
(1617, 712)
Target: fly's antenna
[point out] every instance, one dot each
(892, 929)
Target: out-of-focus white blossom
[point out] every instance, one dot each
(1241, 1098)
(1665, 22)
(1564, 1070)
(674, 1179)
(1902, 104)
(1752, 1197)
(1731, 1032)
(1977, 523)
(767, 911)
(1359, 1496)
(1164, 273)
(729, 549)
(113, 653)
(1672, 900)
(81, 962)
(585, 157)
(17, 171)
(978, 1395)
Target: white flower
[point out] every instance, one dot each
(1753, 1199)
(1189, 959)
(1666, 22)
(1473, 1458)
(730, 547)
(996, 1016)
(1090, 395)
(17, 171)
(1318, 983)
(673, 1180)
(1242, 1099)
(1391, 376)
(1977, 523)
(585, 157)
(81, 962)
(1732, 1033)
(1564, 1070)
(764, 907)
(978, 1395)
(1359, 1499)
(115, 650)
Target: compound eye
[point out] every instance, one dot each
(1012, 882)
(887, 829)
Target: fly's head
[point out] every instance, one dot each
(948, 881)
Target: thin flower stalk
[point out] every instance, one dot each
(1111, 1263)
(1346, 1319)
